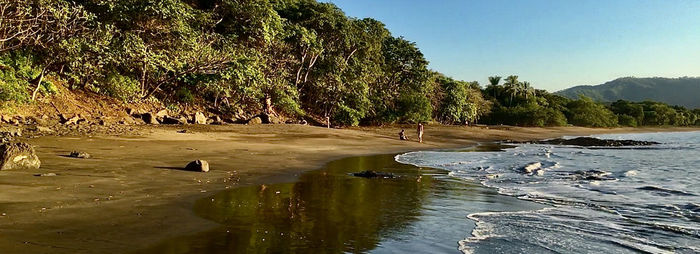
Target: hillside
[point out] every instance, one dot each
(674, 91)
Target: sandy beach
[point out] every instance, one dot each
(133, 193)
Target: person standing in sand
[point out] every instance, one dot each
(420, 132)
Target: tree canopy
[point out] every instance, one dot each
(297, 58)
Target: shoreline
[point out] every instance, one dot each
(130, 196)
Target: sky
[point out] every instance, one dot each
(554, 44)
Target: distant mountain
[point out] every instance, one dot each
(674, 91)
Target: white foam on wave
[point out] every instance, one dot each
(631, 173)
(600, 182)
(483, 231)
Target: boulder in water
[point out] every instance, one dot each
(18, 156)
(532, 167)
(373, 174)
(589, 141)
(592, 175)
(198, 166)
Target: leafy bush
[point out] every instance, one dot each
(626, 120)
(13, 90)
(527, 115)
(586, 112)
(414, 108)
(184, 95)
(347, 116)
(121, 87)
(16, 69)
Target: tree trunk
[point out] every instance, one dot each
(38, 84)
(301, 66)
(143, 79)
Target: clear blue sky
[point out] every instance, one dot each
(554, 44)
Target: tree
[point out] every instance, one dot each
(512, 87)
(461, 103)
(586, 112)
(526, 89)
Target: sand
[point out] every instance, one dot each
(133, 192)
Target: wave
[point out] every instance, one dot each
(610, 200)
(665, 191)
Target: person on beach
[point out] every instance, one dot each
(420, 132)
(402, 135)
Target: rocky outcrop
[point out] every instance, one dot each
(16, 120)
(216, 120)
(18, 156)
(373, 174)
(592, 175)
(149, 118)
(271, 119)
(532, 167)
(198, 166)
(10, 131)
(173, 120)
(199, 118)
(161, 114)
(80, 155)
(70, 120)
(588, 141)
(255, 120)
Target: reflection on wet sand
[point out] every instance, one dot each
(330, 211)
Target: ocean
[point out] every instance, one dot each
(596, 199)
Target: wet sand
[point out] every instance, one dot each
(420, 210)
(133, 194)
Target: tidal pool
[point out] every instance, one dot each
(422, 210)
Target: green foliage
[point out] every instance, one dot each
(652, 114)
(303, 57)
(121, 87)
(675, 91)
(586, 112)
(12, 90)
(528, 115)
(461, 102)
(184, 95)
(626, 120)
(17, 69)
(414, 108)
(347, 116)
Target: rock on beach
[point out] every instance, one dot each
(18, 156)
(198, 166)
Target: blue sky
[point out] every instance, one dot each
(554, 44)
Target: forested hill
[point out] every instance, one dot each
(674, 91)
(280, 60)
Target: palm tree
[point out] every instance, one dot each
(493, 84)
(526, 89)
(512, 87)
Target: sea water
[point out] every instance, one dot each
(598, 199)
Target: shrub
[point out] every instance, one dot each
(626, 120)
(121, 87)
(586, 112)
(184, 95)
(347, 116)
(414, 108)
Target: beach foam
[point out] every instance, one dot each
(604, 200)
